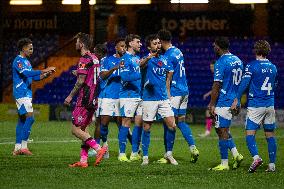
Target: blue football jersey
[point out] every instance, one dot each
(130, 77)
(155, 80)
(260, 75)
(112, 84)
(179, 83)
(23, 75)
(228, 69)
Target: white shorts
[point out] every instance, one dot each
(109, 107)
(223, 117)
(24, 105)
(179, 104)
(260, 116)
(129, 106)
(152, 108)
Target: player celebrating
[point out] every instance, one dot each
(260, 77)
(130, 92)
(86, 86)
(23, 75)
(178, 91)
(155, 98)
(227, 76)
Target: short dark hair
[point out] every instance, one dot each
(222, 42)
(86, 39)
(150, 38)
(118, 40)
(101, 50)
(23, 42)
(130, 38)
(165, 35)
(262, 47)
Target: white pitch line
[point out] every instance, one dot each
(116, 140)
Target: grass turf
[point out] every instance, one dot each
(54, 148)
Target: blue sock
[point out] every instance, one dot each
(136, 138)
(186, 132)
(251, 144)
(122, 135)
(97, 140)
(231, 143)
(223, 147)
(145, 142)
(165, 136)
(19, 131)
(272, 148)
(27, 128)
(104, 132)
(170, 138)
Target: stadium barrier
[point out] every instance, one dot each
(8, 112)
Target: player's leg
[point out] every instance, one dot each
(81, 118)
(25, 110)
(137, 133)
(146, 141)
(19, 134)
(84, 157)
(128, 107)
(254, 118)
(184, 127)
(269, 127)
(170, 138)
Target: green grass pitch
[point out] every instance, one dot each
(54, 148)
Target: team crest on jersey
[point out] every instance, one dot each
(20, 65)
(82, 65)
(160, 63)
(80, 119)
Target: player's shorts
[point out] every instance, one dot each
(139, 110)
(24, 105)
(82, 117)
(97, 112)
(223, 117)
(129, 106)
(152, 108)
(109, 107)
(179, 104)
(264, 116)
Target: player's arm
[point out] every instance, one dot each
(80, 80)
(143, 62)
(217, 84)
(104, 74)
(42, 76)
(34, 73)
(214, 96)
(168, 82)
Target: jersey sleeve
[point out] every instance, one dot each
(168, 66)
(218, 71)
(23, 69)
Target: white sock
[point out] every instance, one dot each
(169, 153)
(235, 152)
(18, 146)
(224, 162)
(271, 165)
(134, 153)
(192, 147)
(145, 157)
(24, 144)
(121, 154)
(255, 157)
